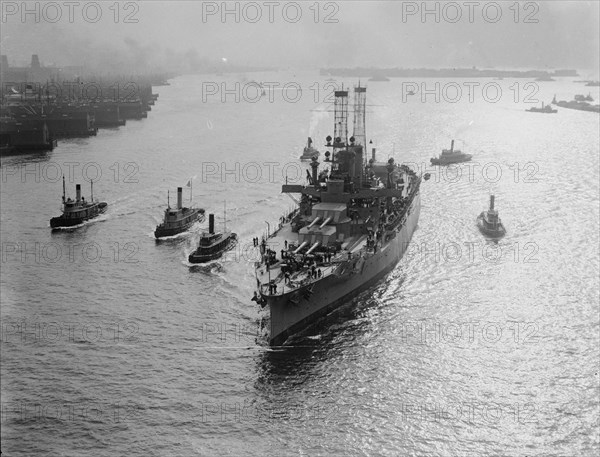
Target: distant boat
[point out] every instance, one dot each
(582, 98)
(593, 83)
(449, 156)
(489, 222)
(180, 219)
(577, 105)
(77, 211)
(543, 109)
(309, 152)
(213, 244)
(545, 78)
(410, 92)
(381, 78)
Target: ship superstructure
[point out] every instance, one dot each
(352, 226)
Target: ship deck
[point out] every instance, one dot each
(355, 246)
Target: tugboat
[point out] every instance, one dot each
(351, 228)
(309, 152)
(451, 155)
(179, 219)
(213, 245)
(543, 109)
(489, 223)
(77, 211)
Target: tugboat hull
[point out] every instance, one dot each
(465, 158)
(293, 312)
(498, 233)
(62, 222)
(198, 257)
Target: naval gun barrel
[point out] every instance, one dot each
(315, 220)
(325, 222)
(300, 247)
(313, 247)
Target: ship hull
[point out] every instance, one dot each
(63, 222)
(292, 312)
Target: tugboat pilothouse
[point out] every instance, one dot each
(180, 219)
(351, 228)
(212, 245)
(79, 210)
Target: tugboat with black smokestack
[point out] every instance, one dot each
(213, 244)
(77, 211)
(178, 219)
(489, 222)
(309, 152)
(449, 156)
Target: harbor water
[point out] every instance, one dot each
(113, 344)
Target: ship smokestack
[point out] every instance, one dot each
(211, 223)
(315, 171)
(491, 202)
(78, 192)
(373, 154)
(179, 198)
(452, 146)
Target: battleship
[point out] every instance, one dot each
(309, 152)
(77, 211)
(543, 109)
(449, 156)
(352, 225)
(213, 244)
(489, 222)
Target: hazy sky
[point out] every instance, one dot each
(367, 33)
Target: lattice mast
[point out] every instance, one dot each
(360, 104)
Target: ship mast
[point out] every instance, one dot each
(168, 200)
(360, 102)
(64, 191)
(224, 216)
(92, 190)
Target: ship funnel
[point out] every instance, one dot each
(179, 198)
(452, 146)
(211, 223)
(373, 154)
(78, 191)
(491, 203)
(315, 171)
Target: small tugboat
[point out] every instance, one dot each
(489, 223)
(77, 211)
(213, 245)
(451, 155)
(309, 152)
(410, 92)
(178, 219)
(543, 109)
